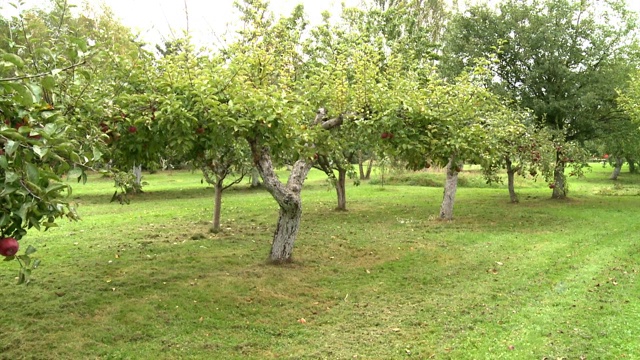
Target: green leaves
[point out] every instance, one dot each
(13, 59)
(21, 93)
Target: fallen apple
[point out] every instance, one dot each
(9, 246)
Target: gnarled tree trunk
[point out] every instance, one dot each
(288, 198)
(617, 169)
(559, 189)
(287, 195)
(341, 189)
(450, 188)
(255, 178)
(511, 174)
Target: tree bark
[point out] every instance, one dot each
(367, 176)
(511, 175)
(255, 178)
(617, 169)
(288, 198)
(137, 172)
(217, 205)
(559, 189)
(450, 188)
(361, 165)
(632, 166)
(341, 189)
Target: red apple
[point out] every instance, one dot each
(384, 135)
(9, 246)
(200, 130)
(552, 186)
(133, 129)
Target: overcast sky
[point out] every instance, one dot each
(208, 19)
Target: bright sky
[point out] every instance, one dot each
(157, 18)
(208, 19)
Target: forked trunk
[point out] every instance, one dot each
(450, 188)
(288, 198)
(341, 189)
(287, 195)
(617, 169)
(559, 188)
(367, 176)
(511, 175)
(217, 206)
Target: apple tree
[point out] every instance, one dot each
(192, 86)
(38, 143)
(558, 58)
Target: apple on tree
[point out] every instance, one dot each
(9, 246)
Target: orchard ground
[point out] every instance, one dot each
(385, 280)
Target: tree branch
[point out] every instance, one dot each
(16, 78)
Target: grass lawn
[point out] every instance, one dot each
(541, 279)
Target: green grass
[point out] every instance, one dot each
(550, 279)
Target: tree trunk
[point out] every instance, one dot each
(511, 175)
(255, 178)
(217, 206)
(341, 189)
(137, 172)
(288, 198)
(286, 232)
(361, 165)
(559, 188)
(450, 187)
(617, 169)
(632, 166)
(367, 176)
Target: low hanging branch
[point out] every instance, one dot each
(321, 115)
